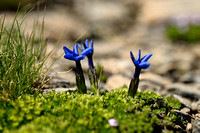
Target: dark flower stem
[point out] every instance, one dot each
(90, 61)
(134, 83)
(80, 80)
(137, 73)
(93, 80)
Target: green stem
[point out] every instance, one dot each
(80, 80)
(93, 80)
(133, 87)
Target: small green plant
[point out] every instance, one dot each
(192, 34)
(184, 28)
(100, 73)
(74, 112)
(22, 60)
(140, 63)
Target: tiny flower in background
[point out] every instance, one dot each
(74, 55)
(140, 63)
(113, 122)
(91, 70)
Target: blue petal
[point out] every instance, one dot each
(136, 63)
(144, 65)
(80, 47)
(69, 56)
(86, 51)
(84, 44)
(91, 43)
(132, 56)
(67, 51)
(146, 58)
(80, 57)
(76, 49)
(139, 55)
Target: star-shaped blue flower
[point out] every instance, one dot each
(74, 55)
(86, 45)
(141, 63)
(89, 54)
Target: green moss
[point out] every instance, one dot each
(73, 112)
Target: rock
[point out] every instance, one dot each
(57, 90)
(187, 78)
(153, 82)
(195, 106)
(157, 79)
(166, 9)
(189, 91)
(196, 126)
(189, 127)
(117, 66)
(107, 17)
(185, 110)
(116, 81)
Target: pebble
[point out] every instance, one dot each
(185, 110)
(189, 127)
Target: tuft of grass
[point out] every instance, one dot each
(22, 60)
(73, 112)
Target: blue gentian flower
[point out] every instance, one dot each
(74, 55)
(89, 54)
(140, 63)
(91, 71)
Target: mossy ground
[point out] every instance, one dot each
(73, 112)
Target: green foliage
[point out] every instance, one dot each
(73, 112)
(173, 103)
(100, 73)
(21, 60)
(190, 34)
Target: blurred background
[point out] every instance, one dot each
(170, 30)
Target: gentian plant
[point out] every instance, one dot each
(140, 63)
(91, 70)
(74, 55)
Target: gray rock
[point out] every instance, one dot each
(189, 91)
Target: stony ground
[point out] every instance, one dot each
(118, 28)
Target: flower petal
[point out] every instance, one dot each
(146, 58)
(67, 51)
(86, 51)
(80, 47)
(86, 42)
(76, 49)
(80, 57)
(69, 56)
(84, 45)
(132, 56)
(144, 65)
(139, 55)
(91, 43)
